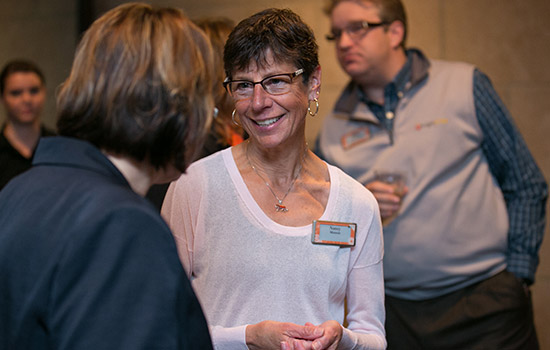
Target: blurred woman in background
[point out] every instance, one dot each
(223, 132)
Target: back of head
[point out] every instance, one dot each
(280, 31)
(390, 11)
(19, 66)
(140, 86)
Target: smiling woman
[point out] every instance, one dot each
(244, 217)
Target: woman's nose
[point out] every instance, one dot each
(259, 96)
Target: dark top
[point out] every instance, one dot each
(86, 263)
(12, 163)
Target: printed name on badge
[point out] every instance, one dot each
(355, 137)
(334, 233)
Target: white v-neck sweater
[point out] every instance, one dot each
(246, 268)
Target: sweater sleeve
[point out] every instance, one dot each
(181, 219)
(181, 211)
(365, 291)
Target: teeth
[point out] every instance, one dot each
(268, 122)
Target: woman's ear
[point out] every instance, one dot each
(315, 84)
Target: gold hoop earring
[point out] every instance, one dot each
(233, 118)
(313, 114)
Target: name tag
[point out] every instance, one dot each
(355, 137)
(334, 233)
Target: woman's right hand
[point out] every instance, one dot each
(268, 335)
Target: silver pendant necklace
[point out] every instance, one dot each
(279, 207)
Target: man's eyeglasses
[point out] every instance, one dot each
(355, 30)
(277, 84)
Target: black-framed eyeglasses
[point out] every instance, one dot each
(355, 30)
(276, 84)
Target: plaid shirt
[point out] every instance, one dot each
(521, 181)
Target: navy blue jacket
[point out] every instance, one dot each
(86, 263)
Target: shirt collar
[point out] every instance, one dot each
(414, 71)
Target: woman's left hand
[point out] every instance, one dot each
(328, 341)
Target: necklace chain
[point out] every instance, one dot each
(279, 207)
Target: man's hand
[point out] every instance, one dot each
(388, 200)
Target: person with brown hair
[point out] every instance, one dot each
(85, 261)
(23, 93)
(224, 132)
(276, 241)
(462, 236)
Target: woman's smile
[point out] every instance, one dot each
(267, 122)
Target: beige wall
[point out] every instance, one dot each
(43, 31)
(507, 39)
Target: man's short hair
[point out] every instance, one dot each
(389, 11)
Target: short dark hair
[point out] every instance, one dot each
(389, 11)
(280, 30)
(141, 86)
(16, 66)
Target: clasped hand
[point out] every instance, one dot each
(272, 335)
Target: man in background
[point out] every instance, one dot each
(462, 235)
